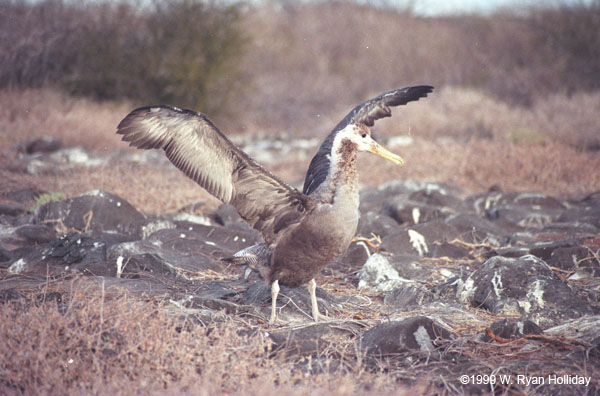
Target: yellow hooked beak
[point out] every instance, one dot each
(375, 148)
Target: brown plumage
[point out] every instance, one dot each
(303, 231)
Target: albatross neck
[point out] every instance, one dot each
(344, 174)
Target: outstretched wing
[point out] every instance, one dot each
(197, 147)
(379, 107)
(365, 113)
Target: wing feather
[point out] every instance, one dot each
(197, 147)
(365, 113)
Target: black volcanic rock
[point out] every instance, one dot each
(293, 302)
(474, 228)
(408, 212)
(374, 223)
(508, 329)
(70, 252)
(408, 296)
(307, 340)
(446, 201)
(97, 211)
(164, 252)
(511, 263)
(36, 233)
(226, 214)
(11, 209)
(44, 144)
(418, 333)
(522, 286)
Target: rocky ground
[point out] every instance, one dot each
(438, 285)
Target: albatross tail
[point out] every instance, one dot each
(257, 257)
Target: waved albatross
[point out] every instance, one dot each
(303, 231)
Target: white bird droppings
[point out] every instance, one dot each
(418, 242)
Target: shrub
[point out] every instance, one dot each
(179, 51)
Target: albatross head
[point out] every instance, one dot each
(360, 135)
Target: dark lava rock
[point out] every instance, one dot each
(132, 266)
(5, 256)
(400, 243)
(419, 238)
(215, 241)
(45, 144)
(214, 304)
(70, 252)
(213, 290)
(36, 233)
(10, 295)
(508, 329)
(418, 333)
(446, 291)
(408, 266)
(23, 195)
(408, 212)
(483, 202)
(445, 249)
(352, 259)
(407, 296)
(11, 209)
(568, 228)
(97, 211)
(310, 339)
(376, 199)
(544, 250)
(586, 328)
(290, 301)
(25, 236)
(372, 200)
(164, 252)
(512, 251)
(226, 214)
(525, 285)
(568, 258)
(85, 253)
(442, 199)
(474, 229)
(373, 223)
(523, 217)
(518, 211)
(587, 215)
(578, 259)
(408, 187)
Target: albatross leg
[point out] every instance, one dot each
(312, 288)
(274, 293)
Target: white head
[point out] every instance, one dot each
(360, 135)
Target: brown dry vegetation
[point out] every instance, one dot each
(106, 342)
(515, 106)
(515, 148)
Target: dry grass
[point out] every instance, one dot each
(100, 340)
(460, 136)
(44, 112)
(106, 343)
(310, 57)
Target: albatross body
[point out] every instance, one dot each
(303, 231)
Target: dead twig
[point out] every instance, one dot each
(374, 241)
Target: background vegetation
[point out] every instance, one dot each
(516, 100)
(177, 51)
(280, 58)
